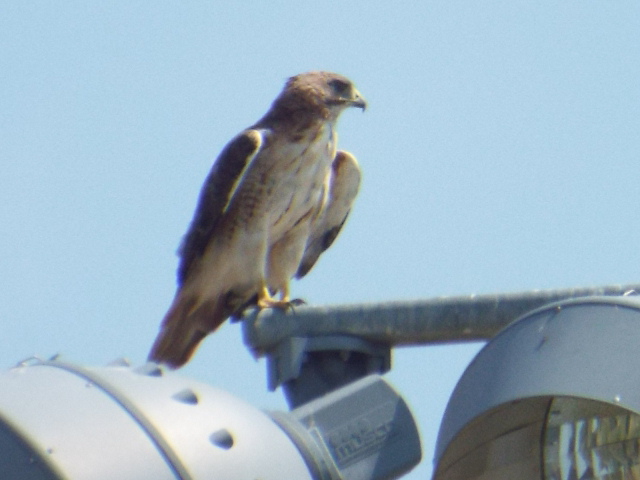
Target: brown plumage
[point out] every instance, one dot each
(275, 199)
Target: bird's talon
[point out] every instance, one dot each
(283, 305)
(280, 305)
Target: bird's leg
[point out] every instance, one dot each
(284, 293)
(265, 300)
(285, 297)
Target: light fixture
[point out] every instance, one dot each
(554, 396)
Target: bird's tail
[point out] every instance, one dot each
(184, 326)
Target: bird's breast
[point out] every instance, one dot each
(296, 186)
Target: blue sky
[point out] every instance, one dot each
(500, 153)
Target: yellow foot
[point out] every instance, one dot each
(265, 300)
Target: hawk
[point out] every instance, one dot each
(274, 201)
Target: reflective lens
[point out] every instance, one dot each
(586, 440)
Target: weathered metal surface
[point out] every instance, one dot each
(431, 321)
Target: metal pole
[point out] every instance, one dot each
(432, 321)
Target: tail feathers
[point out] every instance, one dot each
(183, 328)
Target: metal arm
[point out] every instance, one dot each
(305, 345)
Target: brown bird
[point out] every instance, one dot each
(275, 199)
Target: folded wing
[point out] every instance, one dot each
(218, 189)
(344, 182)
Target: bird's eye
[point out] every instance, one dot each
(338, 85)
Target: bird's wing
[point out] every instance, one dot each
(344, 182)
(216, 194)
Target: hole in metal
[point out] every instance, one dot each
(222, 438)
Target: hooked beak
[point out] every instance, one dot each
(358, 101)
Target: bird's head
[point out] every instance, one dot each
(340, 92)
(325, 94)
